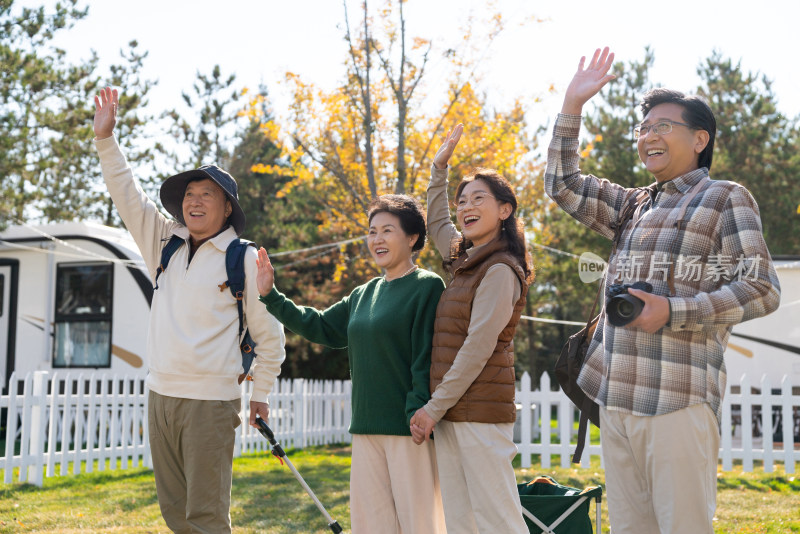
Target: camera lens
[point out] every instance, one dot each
(622, 309)
(625, 309)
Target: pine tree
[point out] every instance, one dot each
(34, 121)
(756, 146)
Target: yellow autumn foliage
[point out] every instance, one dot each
(323, 140)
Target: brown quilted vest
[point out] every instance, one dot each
(490, 398)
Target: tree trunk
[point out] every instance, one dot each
(402, 112)
(373, 188)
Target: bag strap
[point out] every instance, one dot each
(582, 426)
(680, 224)
(169, 249)
(594, 306)
(234, 269)
(630, 212)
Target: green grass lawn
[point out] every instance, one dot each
(267, 499)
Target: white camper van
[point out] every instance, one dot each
(770, 346)
(73, 296)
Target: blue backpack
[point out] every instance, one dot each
(234, 268)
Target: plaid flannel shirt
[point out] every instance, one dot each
(723, 275)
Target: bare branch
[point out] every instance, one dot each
(415, 170)
(357, 71)
(386, 67)
(418, 77)
(336, 170)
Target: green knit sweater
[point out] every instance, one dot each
(387, 328)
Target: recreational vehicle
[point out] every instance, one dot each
(770, 346)
(73, 297)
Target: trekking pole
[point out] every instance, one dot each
(277, 450)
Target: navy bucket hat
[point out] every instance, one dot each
(174, 187)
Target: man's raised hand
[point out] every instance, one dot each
(588, 81)
(105, 112)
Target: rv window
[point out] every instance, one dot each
(83, 315)
(2, 293)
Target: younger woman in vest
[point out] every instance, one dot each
(472, 362)
(387, 326)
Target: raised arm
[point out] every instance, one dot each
(327, 327)
(140, 214)
(266, 273)
(592, 201)
(105, 112)
(448, 147)
(588, 81)
(440, 227)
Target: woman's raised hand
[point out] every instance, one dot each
(446, 150)
(266, 273)
(105, 112)
(588, 81)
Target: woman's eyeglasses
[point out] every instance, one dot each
(476, 199)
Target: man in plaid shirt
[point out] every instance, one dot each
(659, 380)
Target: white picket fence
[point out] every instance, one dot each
(764, 410)
(57, 424)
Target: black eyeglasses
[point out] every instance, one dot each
(661, 127)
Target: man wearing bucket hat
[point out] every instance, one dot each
(193, 340)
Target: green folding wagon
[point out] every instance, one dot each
(550, 508)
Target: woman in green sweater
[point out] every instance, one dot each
(387, 327)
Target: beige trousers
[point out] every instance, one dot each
(394, 487)
(191, 443)
(661, 471)
(479, 488)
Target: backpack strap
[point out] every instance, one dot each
(169, 249)
(234, 268)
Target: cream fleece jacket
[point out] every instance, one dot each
(193, 346)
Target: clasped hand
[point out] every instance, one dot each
(421, 426)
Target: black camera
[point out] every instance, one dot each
(622, 307)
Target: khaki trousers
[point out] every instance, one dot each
(394, 488)
(661, 471)
(479, 488)
(191, 443)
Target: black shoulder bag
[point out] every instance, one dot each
(570, 361)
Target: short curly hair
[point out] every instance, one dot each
(407, 209)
